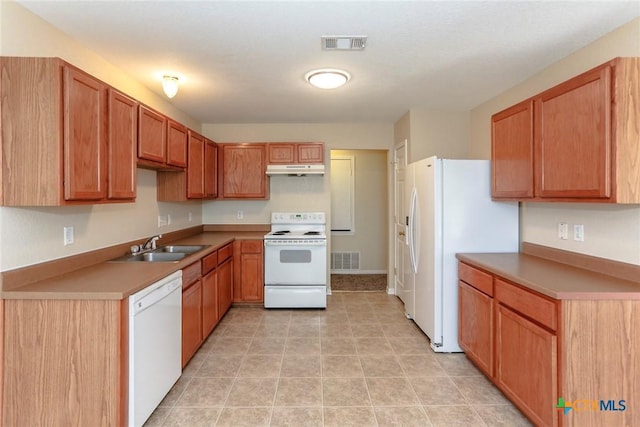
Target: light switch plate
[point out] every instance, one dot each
(68, 235)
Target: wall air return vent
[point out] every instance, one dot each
(345, 261)
(343, 42)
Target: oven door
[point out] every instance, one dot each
(295, 263)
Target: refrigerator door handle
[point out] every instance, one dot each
(411, 233)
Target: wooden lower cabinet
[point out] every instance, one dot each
(225, 286)
(475, 318)
(191, 320)
(210, 315)
(248, 283)
(542, 349)
(65, 363)
(527, 365)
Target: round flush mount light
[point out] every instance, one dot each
(327, 78)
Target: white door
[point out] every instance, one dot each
(400, 217)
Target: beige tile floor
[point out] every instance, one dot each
(357, 363)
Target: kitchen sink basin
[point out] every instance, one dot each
(182, 249)
(152, 257)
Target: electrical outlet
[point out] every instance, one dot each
(240, 215)
(190, 217)
(68, 236)
(563, 231)
(162, 221)
(168, 219)
(578, 233)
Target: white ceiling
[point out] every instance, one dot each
(244, 62)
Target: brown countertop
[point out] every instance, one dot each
(553, 279)
(118, 280)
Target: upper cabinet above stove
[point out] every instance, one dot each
(291, 153)
(575, 142)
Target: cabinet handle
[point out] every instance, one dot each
(401, 233)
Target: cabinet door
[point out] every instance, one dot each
(123, 130)
(512, 152)
(195, 170)
(210, 314)
(85, 143)
(210, 170)
(248, 272)
(284, 154)
(310, 153)
(152, 135)
(475, 331)
(225, 286)
(243, 171)
(191, 321)
(527, 366)
(573, 137)
(252, 271)
(176, 144)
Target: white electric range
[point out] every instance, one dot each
(295, 261)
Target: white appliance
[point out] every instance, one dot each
(155, 342)
(450, 211)
(295, 170)
(295, 261)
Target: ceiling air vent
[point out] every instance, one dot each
(343, 42)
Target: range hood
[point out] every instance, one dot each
(295, 170)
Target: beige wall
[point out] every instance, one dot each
(432, 132)
(610, 231)
(32, 235)
(371, 216)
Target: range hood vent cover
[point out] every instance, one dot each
(343, 42)
(295, 170)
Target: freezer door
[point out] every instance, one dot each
(428, 298)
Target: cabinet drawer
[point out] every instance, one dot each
(476, 278)
(224, 253)
(251, 246)
(190, 274)
(531, 305)
(209, 262)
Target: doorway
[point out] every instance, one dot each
(359, 220)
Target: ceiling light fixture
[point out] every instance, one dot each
(327, 78)
(170, 85)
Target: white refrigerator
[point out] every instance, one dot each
(450, 211)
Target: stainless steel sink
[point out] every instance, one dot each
(184, 249)
(152, 257)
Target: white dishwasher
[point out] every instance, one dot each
(155, 342)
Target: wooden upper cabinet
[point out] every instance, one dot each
(585, 140)
(310, 152)
(573, 137)
(512, 152)
(60, 135)
(123, 132)
(242, 171)
(195, 170)
(152, 136)
(210, 169)
(294, 153)
(84, 136)
(176, 144)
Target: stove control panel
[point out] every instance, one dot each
(298, 218)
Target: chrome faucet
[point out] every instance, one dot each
(150, 243)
